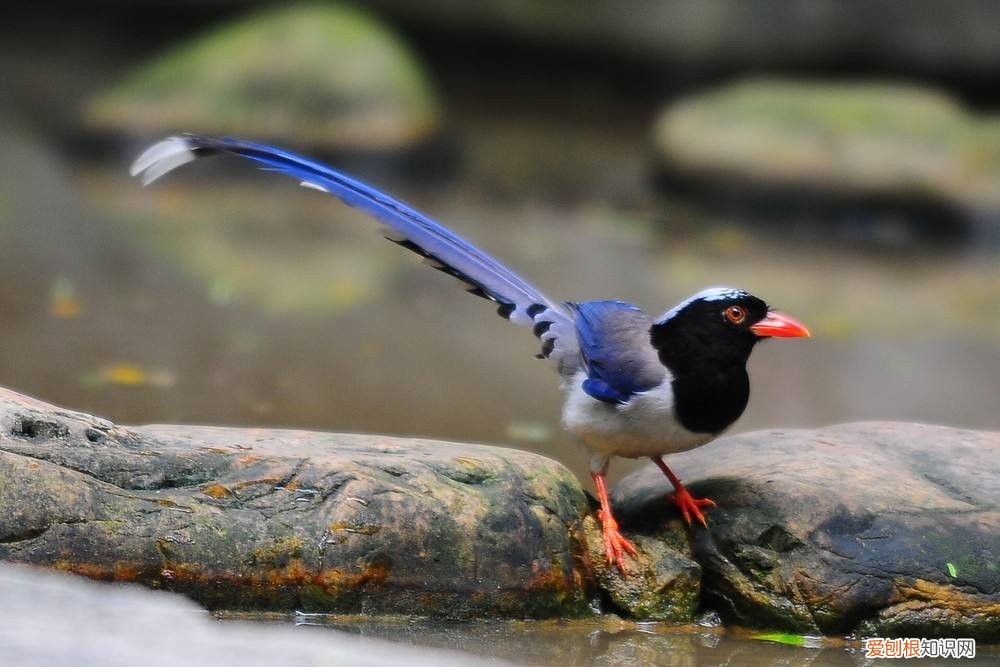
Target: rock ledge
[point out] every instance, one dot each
(282, 520)
(876, 528)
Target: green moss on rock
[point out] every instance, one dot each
(292, 519)
(324, 75)
(847, 529)
(663, 583)
(864, 138)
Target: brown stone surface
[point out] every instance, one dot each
(281, 520)
(841, 529)
(868, 528)
(663, 582)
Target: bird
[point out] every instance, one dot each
(634, 386)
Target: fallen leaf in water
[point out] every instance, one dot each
(789, 639)
(127, 375)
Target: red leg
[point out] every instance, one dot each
(688, 504)
(615, 545)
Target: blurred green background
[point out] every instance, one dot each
(840, 159)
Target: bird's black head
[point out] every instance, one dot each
(705, 342)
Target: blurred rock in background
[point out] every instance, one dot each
(925, 37)
(324, 76)
(848, 141)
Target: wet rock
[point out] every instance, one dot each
(326, 76)
(663, 582)
(876, 528)
(874, 143)
(282, 520)
(51, 620)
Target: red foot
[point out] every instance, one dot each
(615, 544)
(689, 505)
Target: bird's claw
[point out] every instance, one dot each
(691, 506)
(615, 544)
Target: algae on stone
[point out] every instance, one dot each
(663, 582)
(321, 75)
(861, 138)
(844, 529)
(285, 520)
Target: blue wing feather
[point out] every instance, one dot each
(604, 392)
(613, 339)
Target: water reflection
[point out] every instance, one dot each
(609, 641)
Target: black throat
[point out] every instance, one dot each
(710, 386)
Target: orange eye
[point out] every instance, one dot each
(735, 314)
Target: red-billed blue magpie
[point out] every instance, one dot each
(635, 386)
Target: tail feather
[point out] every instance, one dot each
(444, 250)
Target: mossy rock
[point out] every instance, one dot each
(871, 529)
(327, 76)
(277, 520)
(662, 583)
(856, 138)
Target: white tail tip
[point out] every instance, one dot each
(162, 158)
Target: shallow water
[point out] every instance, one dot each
(608, 642)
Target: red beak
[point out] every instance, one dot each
(780, 325)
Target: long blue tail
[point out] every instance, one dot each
(484, 276)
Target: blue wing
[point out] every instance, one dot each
(614, 344)
(444, 250)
